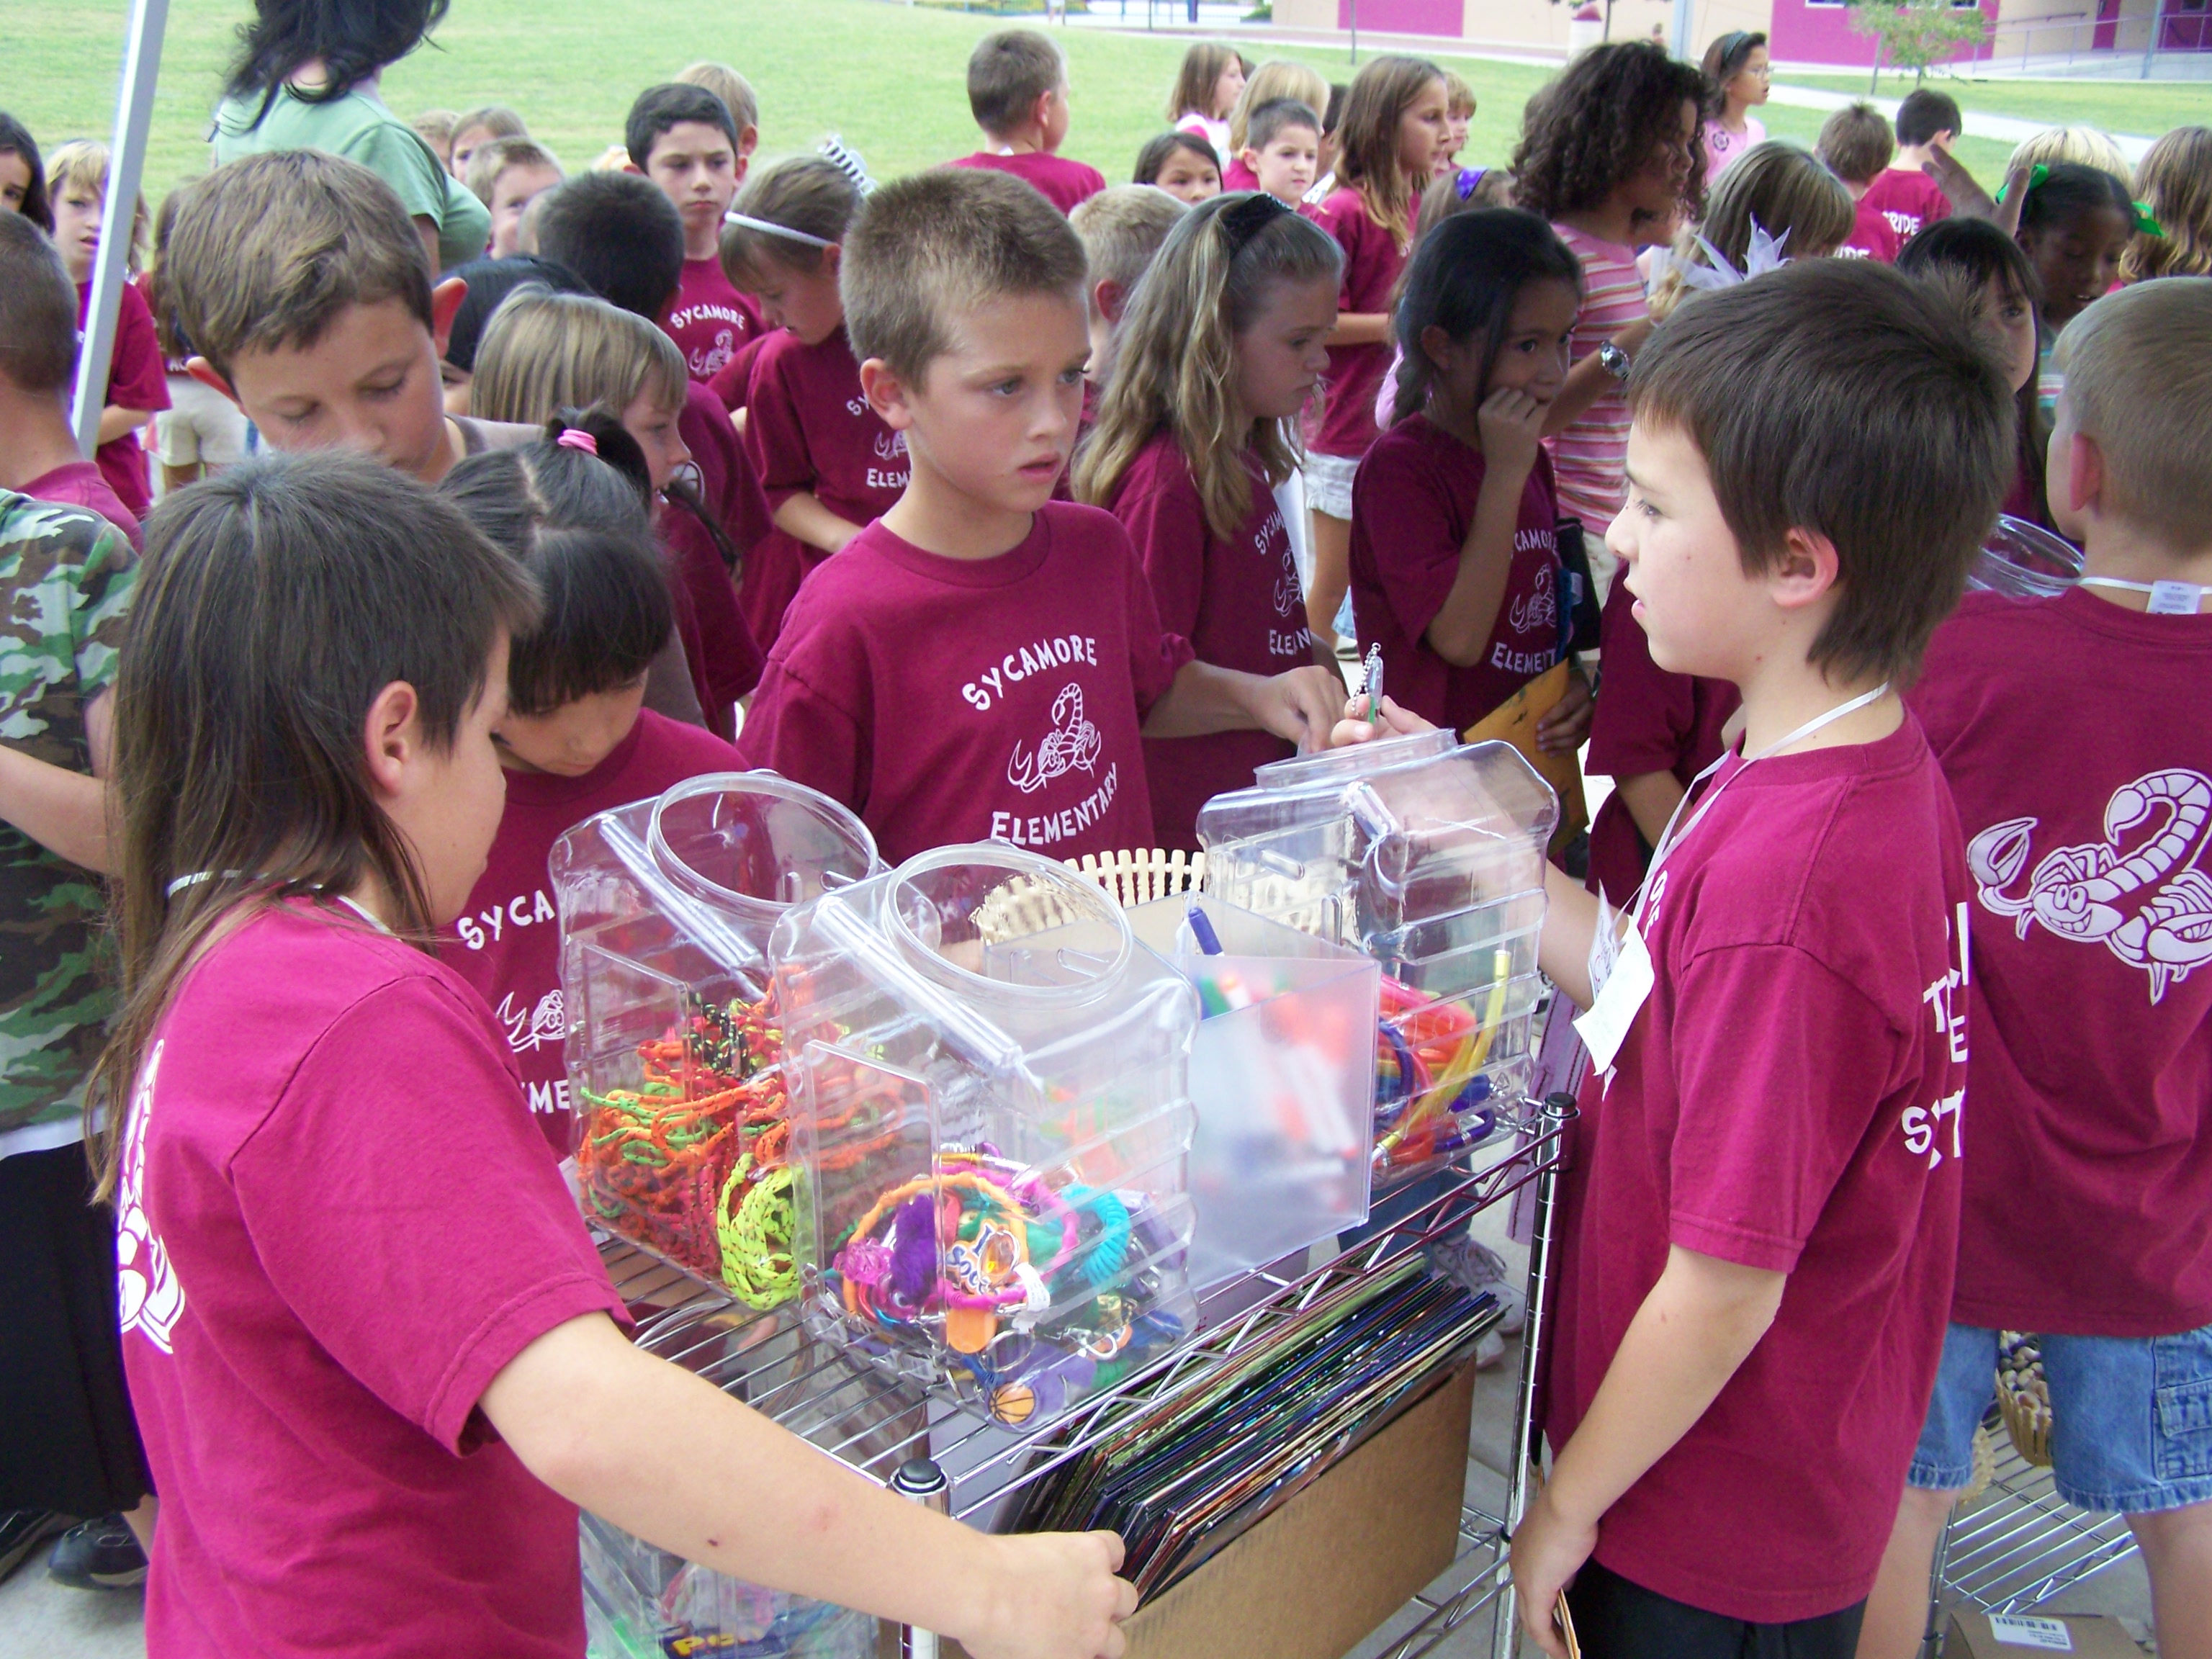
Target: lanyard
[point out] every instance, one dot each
(2167, 598)
(1668, 840)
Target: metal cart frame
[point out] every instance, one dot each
(874, 1421)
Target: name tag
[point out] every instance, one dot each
(1613, 1011)
(2017, 1631)
(2174, 599)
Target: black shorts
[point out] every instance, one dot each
(68, 1441)
(1616, 1619)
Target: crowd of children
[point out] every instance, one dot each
(999, 504)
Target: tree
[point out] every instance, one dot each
(1912, 34)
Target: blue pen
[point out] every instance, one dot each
(1209, 942)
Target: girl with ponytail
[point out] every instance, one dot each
(1219, 351)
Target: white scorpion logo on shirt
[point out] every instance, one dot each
(2149, 916)
(151, 1296)
(529, 1028)
(1072, 744)
(890, 446)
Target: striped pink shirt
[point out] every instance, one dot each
(1589, 457)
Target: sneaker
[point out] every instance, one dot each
(23, 1530)
(102, 1554)
(1482, 1272)
(1489, 1351)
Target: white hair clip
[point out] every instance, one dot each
(1765, 254)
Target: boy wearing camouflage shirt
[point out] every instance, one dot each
(68, 1446)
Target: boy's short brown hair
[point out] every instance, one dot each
(1008, 72)
(267, 252)
(1856, 144)
(37, 310)
(1276, 117)
(2157, 449)
(497, 156)
(938, 242)
(1838, 397)
(1122, 229)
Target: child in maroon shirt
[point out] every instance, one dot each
(979, 663)
(137, 379)
(371, 1346)
(685, 140)
(577, 740)
(2072, 733)
(1456, 573)
(828, 465)
(1017, 93)
(1188, 463)
(1396, 124)
(1761, 1218)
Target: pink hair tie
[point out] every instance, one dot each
(576, 437)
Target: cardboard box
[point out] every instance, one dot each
(1320, 1573)
(2025, 1636)
(1316, 1576)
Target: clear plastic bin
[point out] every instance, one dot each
(1434, 865)
(673, 1052)
(2025, 561)
(1282, 1073)
(643, 1603)
(989, 1081)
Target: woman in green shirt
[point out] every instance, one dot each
(306, 79)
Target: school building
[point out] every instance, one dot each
(2083, 36)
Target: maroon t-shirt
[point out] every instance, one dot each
(1238, 603)
(959, 700)
(1646, 721)
(508, 944)
(80, 484)
(732, 382)
(809, 429)
(336, 1226)
(137, 378)
(1910, 201)
(1061, 182)
(1787, 1099)
(2074, 735)
(719, 646)
(710, 320)
(1412, 504)
(1236, 176)
(1872, 236)
(1372, 260)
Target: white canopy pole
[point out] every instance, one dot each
(1682, 30)
(134, 114)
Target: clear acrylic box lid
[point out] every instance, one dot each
(2025, 561)
(1308, 788)
(1440, 836)
(717, 859)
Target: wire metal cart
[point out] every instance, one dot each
(875, 1423)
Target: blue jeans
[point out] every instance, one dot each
(2131, 1417)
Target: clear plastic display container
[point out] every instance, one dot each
(2025, 561)
(641, 1603)
(1282, 1073)
(989, 1082)
(1434, 865)
(673, 1052)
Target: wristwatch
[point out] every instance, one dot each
(1612, 359)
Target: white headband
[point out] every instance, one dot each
(775, 230)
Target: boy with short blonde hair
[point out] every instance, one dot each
(508, 175)
(1017, 93)
(1855, 145)
(979, 663)
(2072, 731)
(299, 280)
(1123, 229)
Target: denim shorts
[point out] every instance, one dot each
(2131, 1417)
(1329, 485)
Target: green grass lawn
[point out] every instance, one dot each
(2147, 108)
(889, 78)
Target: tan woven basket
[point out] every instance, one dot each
(1023, 906)
(2024, 1396)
